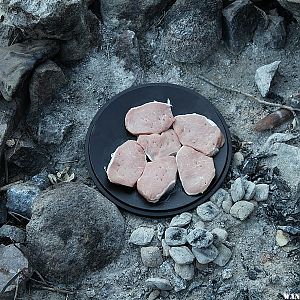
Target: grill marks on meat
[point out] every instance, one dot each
(196, 170)
(160, 145)
(198, 132)
(152, 117)
(127, 164)
(158, 177)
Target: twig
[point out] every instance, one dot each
(41, 277)
(4, 188)
(290, 108)
(68, 161)
(53, 289)
(10, 282)
(14, 214)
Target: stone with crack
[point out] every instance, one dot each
(208, 211)
(200, 238)
(175, 236)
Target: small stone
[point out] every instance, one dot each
(226, 205)
(261, 192)
(238, 159)
(208, 211)
(14, 233)
(159, 283)
(175, 236)
(249, 190)
(242, 209)
(264, 77)
(221, 234)
(182, 255)
(282, 238)
(142, 236)
(185, 271)
(154, 295)
(205, 255)
(181, 220)
(199, 224)
(165, 248)
(224, 255)
(227, 273)
(200, 238)
(151, 256)
(237, 190)
(219, 196)
(20, 198)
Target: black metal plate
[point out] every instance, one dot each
(107, 132)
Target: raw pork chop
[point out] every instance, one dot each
(196, 170)
(152, 117)
(127, 164)
(197, 131)
(158, 177)
(159, 145)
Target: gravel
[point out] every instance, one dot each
(208, 211)
(242, 210)
(142, 236)
(175, 236)
(182, 255)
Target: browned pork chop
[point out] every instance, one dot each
(158, 177)
(159, 145)
(152, 117)
(197, 131)
(127, 164)
(196, 170)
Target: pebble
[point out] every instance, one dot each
(242, 209)
(175, 236)
(200, 238)
(142, 236)
(221, 234)
(205, 255)
(199, 224)
(185, 271)
(226, 205)
(238, 159)
(182, 255)
(219, 196)
(208, 211)
(165, 248)
(282, 238)
(237, 190)
(151, 256)
(159, 283)
(250, 188)
(14, 233)
(154, 294)
(261, 192)
(224, 255)
(181, 220)
(227, 273)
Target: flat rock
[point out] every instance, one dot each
(237, 190)
(264, 76)
(219, 196)
(159, 283)
(193, 29)
(200, 238)
(205, 255)
(142, 236)
(185, 271)
(240, 21)
(14, 233)
(18, 60)
(224, 255)
(208, 211)
(250, 189)
(20, 198)
(151, 256)
(182, 255)
(63, 250)
(175, 236)
(242, 209)
(261, 192)
(181, 220)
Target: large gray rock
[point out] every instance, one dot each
(240, 21)
(293, 6)
(18, 60)
(73, 229)
(192, 29)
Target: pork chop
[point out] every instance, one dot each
(196, 170)
(127, 164)
(158, 177)
(152, 117)
(199, 132)
(159, 145)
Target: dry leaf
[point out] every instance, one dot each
(52, 178)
